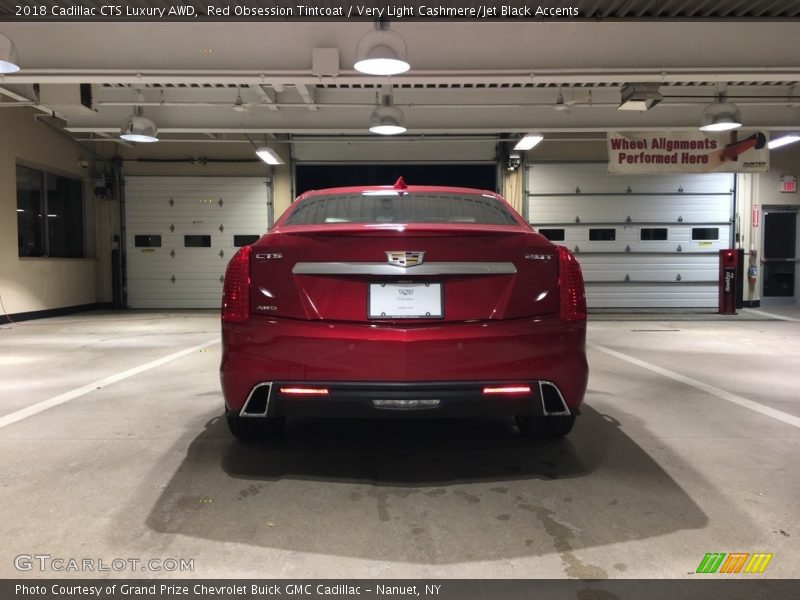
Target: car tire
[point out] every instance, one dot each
(254, 429)
(545, 427)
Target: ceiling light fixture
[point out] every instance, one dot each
(138, 128)
(528, 141)
(269, 156)
(784, 140)
(720, 115)
(387, 119)
(9, 58)
(381, 52)
(640, 96)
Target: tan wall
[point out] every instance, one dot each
(31, 284)
(783, 161)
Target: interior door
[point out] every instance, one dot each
(780, 254)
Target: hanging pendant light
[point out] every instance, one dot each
(9, 57)
(138, 128)
(387, 119)
(720, 115)
(381, 52)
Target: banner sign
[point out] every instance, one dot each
(650, 152)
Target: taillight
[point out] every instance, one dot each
(570, 287)
(236, 290)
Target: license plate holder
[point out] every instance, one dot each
(409, 300)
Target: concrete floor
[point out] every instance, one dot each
(689, 443)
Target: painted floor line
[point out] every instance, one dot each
(769, 314)
(710, 389)
(34, 409)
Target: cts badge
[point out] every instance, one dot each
(405, 259)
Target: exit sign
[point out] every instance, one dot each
(788, 183)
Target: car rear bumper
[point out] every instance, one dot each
(451, 362)
(439, 399)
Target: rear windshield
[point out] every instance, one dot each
(392, 207)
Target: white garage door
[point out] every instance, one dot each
(181, 233)
(644, 241)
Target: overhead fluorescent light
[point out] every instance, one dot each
(9, 58)
(720, 116)
(269, 156)
(528, 141)
(640, 96)
(784, 140)
(381, 52)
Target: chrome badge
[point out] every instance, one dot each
(405, 259)
(538, 256)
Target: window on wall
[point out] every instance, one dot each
(49, 214)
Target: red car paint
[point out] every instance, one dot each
(506, 329)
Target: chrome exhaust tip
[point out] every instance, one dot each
(553, 403)
(257, 403)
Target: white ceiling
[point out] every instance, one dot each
(486, 78)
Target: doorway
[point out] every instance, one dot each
(779, 260)
(317, 177)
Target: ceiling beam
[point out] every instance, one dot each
(307, 95)
(304, 82)
(267, 96)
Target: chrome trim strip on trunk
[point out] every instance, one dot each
(433, 268)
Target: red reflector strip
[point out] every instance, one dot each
(508, 389)
(304, 391)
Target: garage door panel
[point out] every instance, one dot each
(158, 272)
(175, 207)
(686, 208)
(679, 239)
(553, 178)
(637, 268)
(646, 275)
(648, 268)
(686, 295)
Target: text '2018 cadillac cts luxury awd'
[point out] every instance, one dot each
(412, 301)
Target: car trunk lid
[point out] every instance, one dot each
(394, 274)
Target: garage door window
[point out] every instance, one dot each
(602, 235)
(147, 241)
(554, 235)
(653, 234)
(49, 214)
(244, 240)
(705, 233)
(197, 241)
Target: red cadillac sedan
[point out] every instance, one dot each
(409, 301)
